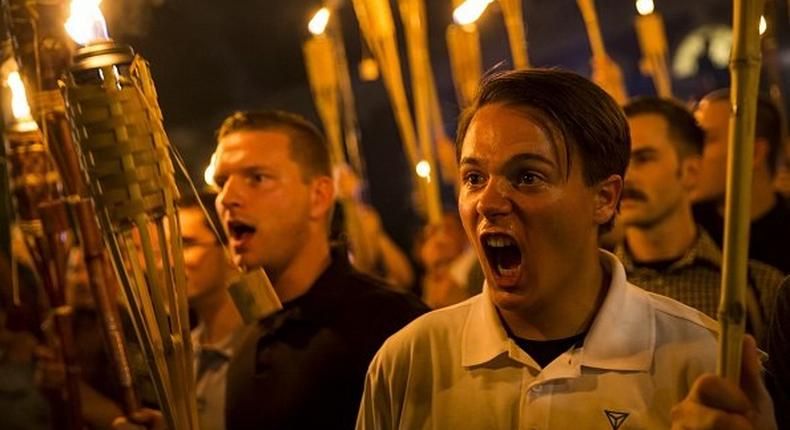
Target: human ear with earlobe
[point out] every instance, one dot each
(607, 196)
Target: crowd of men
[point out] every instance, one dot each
(534, 324)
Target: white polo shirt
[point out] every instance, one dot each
(456, 368)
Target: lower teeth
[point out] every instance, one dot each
(507, 272)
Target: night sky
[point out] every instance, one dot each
(210, 58)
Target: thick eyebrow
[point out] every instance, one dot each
(470, 160)
(531, 157)
(515, 159)
(643, 151)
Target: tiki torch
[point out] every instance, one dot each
(378, 29)
(44, 52)
(463, 46)
(516, 32)
(323, 71)
(745, 80)
(43, 219)
(606, 73)
(425, 98)
(653, 42)
(124, 154)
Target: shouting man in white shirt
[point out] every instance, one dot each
(558, 338)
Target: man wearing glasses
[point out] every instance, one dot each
(219, 329)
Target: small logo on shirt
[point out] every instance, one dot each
(616, 419)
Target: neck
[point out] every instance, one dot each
(219, 316)
(665, 240)
(569, 311)
(763, 197)
(303, 270)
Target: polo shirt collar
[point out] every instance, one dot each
(484, 337)
(621, 337)
(623, 333)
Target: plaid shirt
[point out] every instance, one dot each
(695, 279)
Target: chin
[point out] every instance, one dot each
(511, 299)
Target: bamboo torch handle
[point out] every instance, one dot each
(414, 19)
(516, 32)
(745, 75)
(101, 283)
(590, 17)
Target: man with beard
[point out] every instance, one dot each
(558, 338)
(304, 366)
(769, 232)
(664, 251)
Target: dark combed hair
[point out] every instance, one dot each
(207, 199)
(308, 148)
(687, 136)
(588, 121)
(769, 125)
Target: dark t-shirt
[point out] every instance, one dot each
(769, 235)
(545, 351)
(304, 367)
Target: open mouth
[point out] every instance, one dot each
(240, 231)
(503, 254)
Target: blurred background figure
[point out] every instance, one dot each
(782, 180)
(389, 261)
(22, 405)
(769, 233)
(219, 328)
(452, 273)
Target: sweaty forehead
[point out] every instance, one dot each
(500, 132)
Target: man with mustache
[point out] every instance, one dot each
(304, 366)
(558, 339)
(664, 251)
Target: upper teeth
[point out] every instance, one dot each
(500, 241)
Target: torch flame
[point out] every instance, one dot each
(319, 21)
(645, 7)
(763, 25)
(86, 22)
(423, 169)
(208, 174)
(19, 107)
(469, 11)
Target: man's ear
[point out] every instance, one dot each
(322, 196)
(689, 172)
(607, 197)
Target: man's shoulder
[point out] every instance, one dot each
(678, 315)
(441, 325)
(362, 290)
(765, 274)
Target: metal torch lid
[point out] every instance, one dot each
(101, 54)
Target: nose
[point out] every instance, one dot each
(494, 199)
(230, 195)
